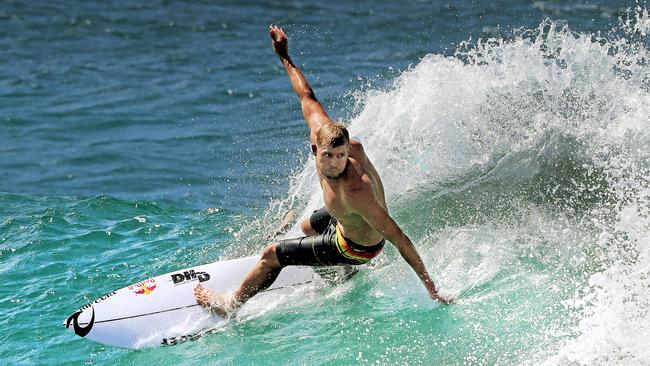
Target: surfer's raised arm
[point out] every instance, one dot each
(312, 110)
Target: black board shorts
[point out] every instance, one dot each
(328, 248)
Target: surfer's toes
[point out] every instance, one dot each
(201, 295)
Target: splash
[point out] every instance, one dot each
(524, 157)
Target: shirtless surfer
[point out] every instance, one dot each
(353, 225)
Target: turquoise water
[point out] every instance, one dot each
(139, 138)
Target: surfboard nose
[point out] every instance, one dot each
(81, 321)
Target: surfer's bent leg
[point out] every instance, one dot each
(263, 274)
(317, 223)
(327, 248)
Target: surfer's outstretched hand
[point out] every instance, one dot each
(440, 299)
(433, 291)
(280, 41)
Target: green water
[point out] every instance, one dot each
(137, 139)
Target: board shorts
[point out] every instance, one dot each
(328, 248)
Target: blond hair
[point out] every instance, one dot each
(332, 135)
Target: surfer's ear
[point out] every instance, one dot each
(313, 149)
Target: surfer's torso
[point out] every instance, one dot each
(339, 196)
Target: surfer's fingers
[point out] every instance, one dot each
(277, 35)
(278, 31)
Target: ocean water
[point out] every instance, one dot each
(513, 139)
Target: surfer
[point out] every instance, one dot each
(353, 225)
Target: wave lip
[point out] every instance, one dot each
(523, 159)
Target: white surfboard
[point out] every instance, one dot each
(161, 311)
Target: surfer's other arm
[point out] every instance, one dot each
(377, 217)
(312, 110)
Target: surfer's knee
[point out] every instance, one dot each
(269, 257)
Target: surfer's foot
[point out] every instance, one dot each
(220, 304)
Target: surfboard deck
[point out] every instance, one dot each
(161, 310)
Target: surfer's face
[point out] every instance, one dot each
(331, 161)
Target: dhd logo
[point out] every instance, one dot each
(189, 276)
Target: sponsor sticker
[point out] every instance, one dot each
(82, 331)
(143, 288)
(187, 276)
(172, 341)
(78, 329)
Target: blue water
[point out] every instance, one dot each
(137, 138)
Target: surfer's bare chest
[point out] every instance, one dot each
(337, 201)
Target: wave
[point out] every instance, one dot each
(518, 157)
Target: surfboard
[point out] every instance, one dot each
(161, 311)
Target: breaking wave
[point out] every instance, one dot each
(520, 168)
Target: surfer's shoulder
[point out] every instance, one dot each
(356, 146)
(357, 151)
